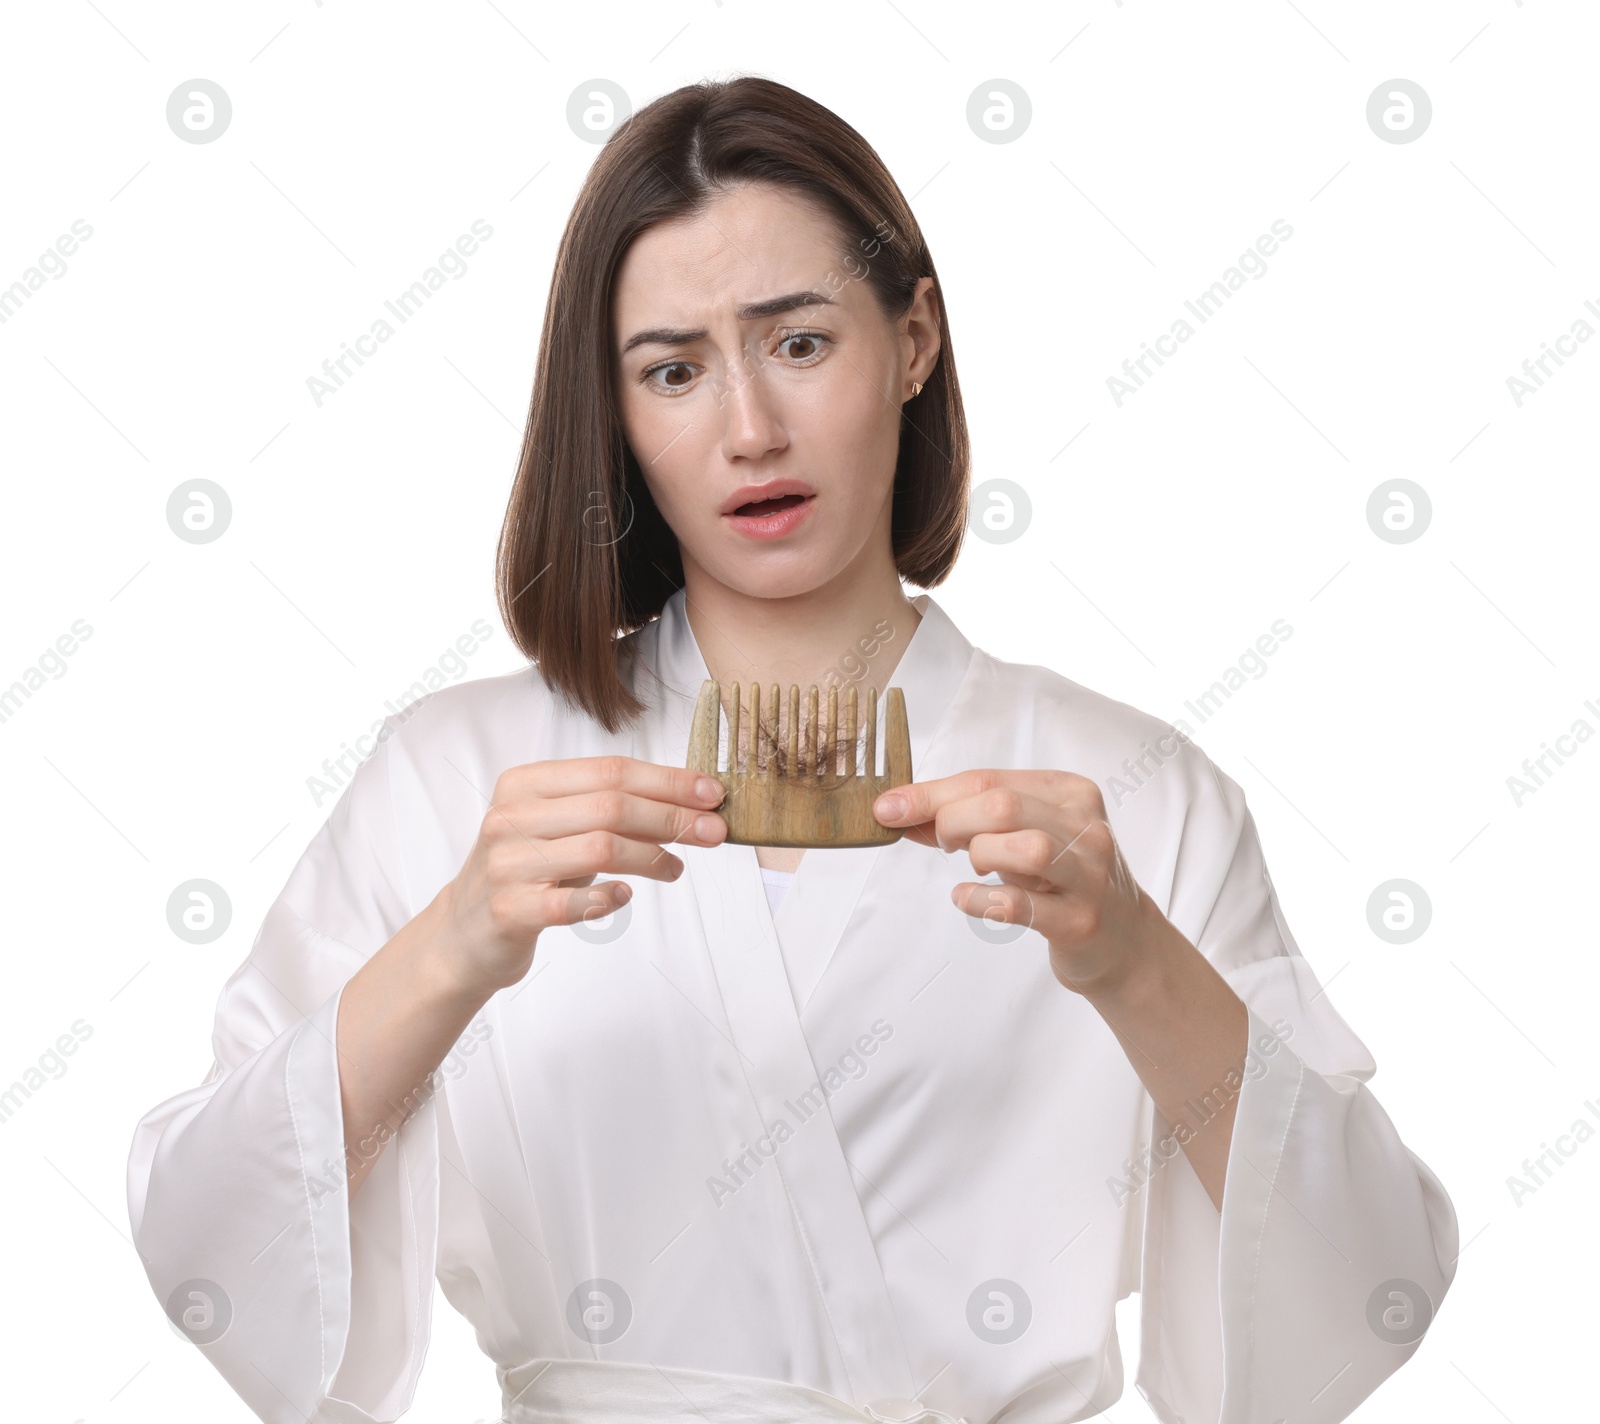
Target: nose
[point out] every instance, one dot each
(752, 423)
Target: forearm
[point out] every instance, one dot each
(1185, 1032)
(399, 1015)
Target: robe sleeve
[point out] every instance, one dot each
(1335, 1243)
(313, 1307)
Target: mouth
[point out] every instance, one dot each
(771, 519)
(766, 508)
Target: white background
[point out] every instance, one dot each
(1168, 533)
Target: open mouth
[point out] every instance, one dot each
(762, 508)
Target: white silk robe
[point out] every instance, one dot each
(854, 1145)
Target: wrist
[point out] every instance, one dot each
(455, 977)
(1141, 973)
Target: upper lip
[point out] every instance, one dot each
(772, 489)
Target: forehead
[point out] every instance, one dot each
(757, 241)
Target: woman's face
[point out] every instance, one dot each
(749, 354)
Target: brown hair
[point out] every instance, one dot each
(584, 553)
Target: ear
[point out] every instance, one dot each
(919, 336)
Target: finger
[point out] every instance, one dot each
(540, 907)
(591, 853)
(1076, 864)
(1084, 871)
(639, 817)
(999, 809)
(924, 799)
(1030, 857)
(569, 776)
(595, 902)
(916, 802)
(923, 835)
(997, 904)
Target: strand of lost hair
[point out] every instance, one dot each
(776, 729)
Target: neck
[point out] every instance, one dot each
(849, 632)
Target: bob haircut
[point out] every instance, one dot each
(584, 554)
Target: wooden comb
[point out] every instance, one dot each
(784, 798)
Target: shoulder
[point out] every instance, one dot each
(1158, 785)
(498, 719)
(516, 710)
(432, 761)
(472, 702)
(1119, 746)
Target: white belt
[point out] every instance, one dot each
(621, 1392)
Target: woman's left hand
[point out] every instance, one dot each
(1063, 874)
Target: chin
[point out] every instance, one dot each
(773, 573)
(775, 584)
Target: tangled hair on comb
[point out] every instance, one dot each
(773, 738)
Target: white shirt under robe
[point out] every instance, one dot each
(849, 1144)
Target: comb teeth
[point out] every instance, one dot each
(785, 792)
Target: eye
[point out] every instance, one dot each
(814, 339)
(676, 375)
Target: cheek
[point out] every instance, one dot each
(675, 443)
(655, 432)
(849, 420)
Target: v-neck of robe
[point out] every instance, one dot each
(766, 968)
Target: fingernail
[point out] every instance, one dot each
(707, 826)
(624, 893)
(891, 808)
(707, 789)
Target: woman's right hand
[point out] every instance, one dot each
(551, 828)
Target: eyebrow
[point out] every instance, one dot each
(772, 306)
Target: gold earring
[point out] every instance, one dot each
(916, 388)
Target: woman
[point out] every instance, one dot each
(890, 1146)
